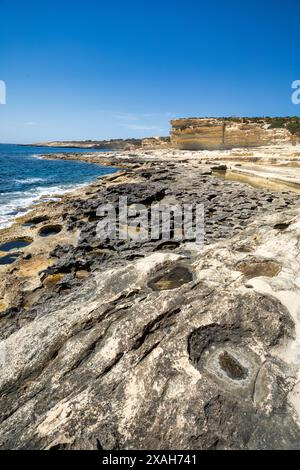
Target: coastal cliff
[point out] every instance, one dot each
(226, 133)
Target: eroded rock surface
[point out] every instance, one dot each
(155, 345)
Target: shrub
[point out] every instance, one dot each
(294, 127)
(277, 123)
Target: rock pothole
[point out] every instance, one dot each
(282, 226)
(35, 221)
(9, 259)
(171, 279)
(231, 366)
(220, 353)
(52, 279)
(254, 267)
(15, 244)
(50, 230)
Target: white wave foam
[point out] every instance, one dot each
(30, 180)
(38, 156)
(15, 204)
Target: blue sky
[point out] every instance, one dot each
(97, 69)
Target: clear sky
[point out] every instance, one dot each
(98, 69)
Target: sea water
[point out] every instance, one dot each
(25, 177)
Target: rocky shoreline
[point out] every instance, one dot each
(89, 328)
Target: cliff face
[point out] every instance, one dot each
(218, 133)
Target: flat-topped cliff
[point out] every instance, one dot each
(226, 133)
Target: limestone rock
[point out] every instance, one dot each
(218, 133)
(207, 360)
